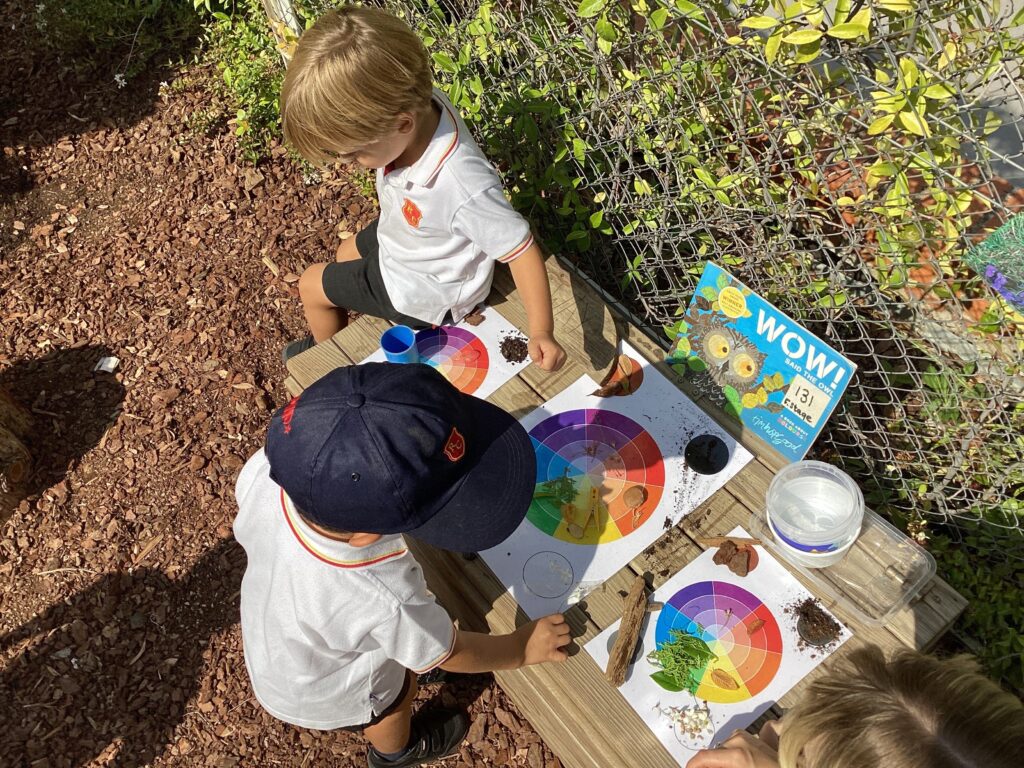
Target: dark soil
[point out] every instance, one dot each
(513, 348)
(814, 625)
(133, 228)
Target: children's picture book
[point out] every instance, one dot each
(477, 355)
(616, 466)
(722, 649)
(780, 380)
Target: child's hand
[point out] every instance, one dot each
(545, 351)
(545, 639)
(741, 750)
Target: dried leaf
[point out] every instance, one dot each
(724, 680)
(753, 626)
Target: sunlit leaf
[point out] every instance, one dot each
(847, 31)
(880, 124)
(759, 22)
(589, 8)
(802, 37)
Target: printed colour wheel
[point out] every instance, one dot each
(593, 469)
(723, 616)
(457, 353)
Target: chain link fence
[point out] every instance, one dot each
(840, 158)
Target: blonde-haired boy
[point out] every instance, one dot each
(910, 711)
(358, 89)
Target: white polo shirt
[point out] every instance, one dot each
(444, 221)
(328, 630)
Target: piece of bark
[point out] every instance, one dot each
(634, 605)
(725, 552)
(717, 541)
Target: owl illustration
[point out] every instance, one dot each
(731, 358)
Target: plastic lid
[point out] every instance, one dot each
(879, 575)
(814, 505)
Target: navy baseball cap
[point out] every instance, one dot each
(385, 448)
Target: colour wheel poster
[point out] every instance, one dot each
(469, 356)
(612, 474)
(750, 627)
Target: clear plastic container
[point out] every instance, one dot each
(878, 576)
(814, 506)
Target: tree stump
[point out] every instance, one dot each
(15, 459)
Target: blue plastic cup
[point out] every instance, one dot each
(399, 344)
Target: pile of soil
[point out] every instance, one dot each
(131, 228)
(514, 349)
(817, 629)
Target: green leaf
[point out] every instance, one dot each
(1018, 18)
(705, 177)
(802, 37)
(915, 123)
(666, 682)
(444, 62)
(689, 10)
(897, 6)
(939, 92)
(709, 293)
(658, 18)
(880, 124)
(759, 22)
(847, 31)
(882, 168)
(606, 30)
(596, 218)
(696, 365)
(590, 8)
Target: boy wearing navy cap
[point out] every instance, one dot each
(336, 616)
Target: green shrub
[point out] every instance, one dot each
(241, 43)
(124, 35)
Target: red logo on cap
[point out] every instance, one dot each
(455, 448)
(411, 212)
(287, 413)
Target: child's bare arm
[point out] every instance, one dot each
(532, 281)
(533, 643)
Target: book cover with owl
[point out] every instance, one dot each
(777, 378)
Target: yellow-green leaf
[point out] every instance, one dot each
(915, 123)
(938, 92)
(992, 123)
(880, 124)
(910, 72)
(771, 46)
(734, 40)
(882, 77)
(863, 16)
(802, 37)
(807, 53)
(948, 54)
(759, 22)
(898, 6)
(589, 8)
(847, 31)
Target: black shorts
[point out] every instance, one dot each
(358, 285)
(410, 676)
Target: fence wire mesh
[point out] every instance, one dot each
(840, 159)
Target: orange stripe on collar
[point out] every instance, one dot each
(308, 545)
(451, 147)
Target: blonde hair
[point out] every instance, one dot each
(352, 74)
(914, 711)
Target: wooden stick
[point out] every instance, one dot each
(629, 632)
(717, 541)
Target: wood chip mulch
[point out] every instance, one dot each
(126, 231)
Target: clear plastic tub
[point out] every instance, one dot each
(879, 575)
(815, 507)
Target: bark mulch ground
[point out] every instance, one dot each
(130, 227)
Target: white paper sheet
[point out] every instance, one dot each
(766, 659)
(591, 448)
(469, 356)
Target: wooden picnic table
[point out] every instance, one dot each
(582, 717)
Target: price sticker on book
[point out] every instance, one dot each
(806, 400)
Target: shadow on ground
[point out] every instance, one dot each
(71, 67)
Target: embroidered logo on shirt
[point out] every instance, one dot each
(411, 212)
(455, 448)
(287, 413)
